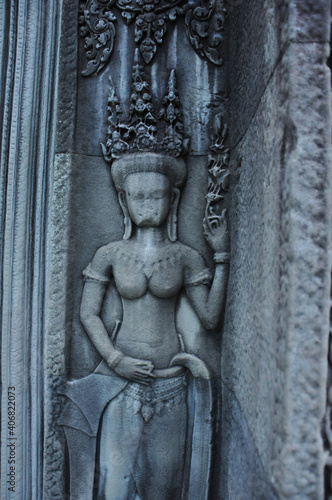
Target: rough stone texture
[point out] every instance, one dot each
(250, 332)
(56, 337)
(258, 36)
(276, 330)
(30, 41)
(249, 480)
(309, 21)
(306, 227)
(66, 119)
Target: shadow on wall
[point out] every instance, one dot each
(241, 463)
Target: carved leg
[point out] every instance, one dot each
(119, 441)
(82, 465)
(160, 462)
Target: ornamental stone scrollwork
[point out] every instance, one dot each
(204, 21)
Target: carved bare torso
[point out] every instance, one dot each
(149, 279)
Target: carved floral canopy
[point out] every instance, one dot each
(204, 21)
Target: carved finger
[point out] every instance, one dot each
(215, 223)
(143, 378)
(146, 365)
(140, 380)
(206, 227)
(144, 374)
(141, 374)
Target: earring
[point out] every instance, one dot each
(127, 220)
(173, 217)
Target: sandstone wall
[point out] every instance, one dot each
(275, 338)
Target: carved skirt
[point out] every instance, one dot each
(136, 436)
(143, 442)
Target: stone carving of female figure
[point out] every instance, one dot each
(143, 430)
(139, 427)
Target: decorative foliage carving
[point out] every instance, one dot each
(139, 131)
(218, 173)
(205, 25)
(204, 21)
(98, 30)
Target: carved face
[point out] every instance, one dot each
(148, 197)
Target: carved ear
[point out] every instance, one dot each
(127, 220)
(172, 221)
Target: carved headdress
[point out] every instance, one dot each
(145, 141)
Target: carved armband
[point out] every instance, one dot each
(221, 257)
(114, 359)
(89, 274)
(201, 278)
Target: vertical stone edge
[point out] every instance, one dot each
(29, 90)
(68, 67)
(55, 338)
(306, 255)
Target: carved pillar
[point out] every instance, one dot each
(281, 213)
(30, 43)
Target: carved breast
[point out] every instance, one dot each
(135, 273)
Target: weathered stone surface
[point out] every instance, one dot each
(309, 21)
(275, 338)
(306, 227)
(241, 463)
(276, 328)
(257, 38)
(29, 32)
(250, 339)
(57, 328)
(67, 86)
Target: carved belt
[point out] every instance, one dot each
(159, 397)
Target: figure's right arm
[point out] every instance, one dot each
(96, 282)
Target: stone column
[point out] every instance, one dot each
(29, 41)
(276, 332)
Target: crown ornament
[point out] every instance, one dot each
(144, 130)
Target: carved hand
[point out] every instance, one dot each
(137, 370)
(216, 232)
(197, 367)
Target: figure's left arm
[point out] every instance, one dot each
(209, 302)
